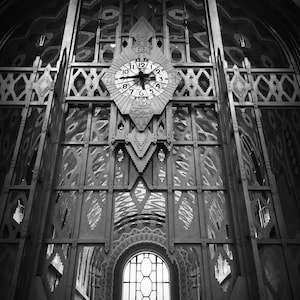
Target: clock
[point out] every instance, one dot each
(141, 78)
(141, 84)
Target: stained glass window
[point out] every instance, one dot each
(146, 277)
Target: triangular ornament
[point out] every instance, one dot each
(141, 141)
(140, 163)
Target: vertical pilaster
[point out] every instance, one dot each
(8, 182)
(166, 32)
(273, 186)
(71, 21)
(236, 183)
(51, 134)
(170, 193)
(215, 28)
(119, 31)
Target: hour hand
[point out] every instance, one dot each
(150, 76)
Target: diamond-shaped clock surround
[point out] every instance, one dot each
(143, 102)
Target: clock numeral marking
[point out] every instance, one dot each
(131, 91)
(132, 66)
(157, 85)
(150, 66)
(124, 87)
(141, 64)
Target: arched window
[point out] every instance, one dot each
(146, 277)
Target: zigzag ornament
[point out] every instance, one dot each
(141, 81)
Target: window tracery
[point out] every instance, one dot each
(146, 277)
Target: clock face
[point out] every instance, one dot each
(141, 78)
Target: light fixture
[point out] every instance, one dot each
(242, 41)
(185, 15)
(42, 40)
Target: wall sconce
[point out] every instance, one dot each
(185, 15)
(100, 18)
(42, 40)
(242, 41)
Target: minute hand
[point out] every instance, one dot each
(134, 76)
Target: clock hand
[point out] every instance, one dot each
(143, 83)
(140, 75)
(134, 76)
(148, 74)
(148, 79)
